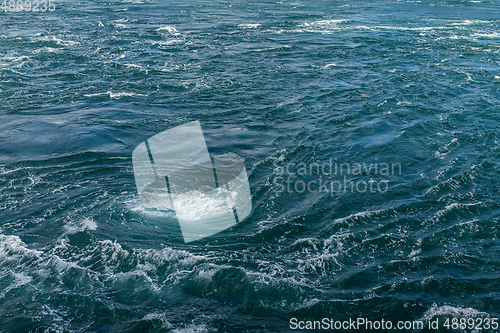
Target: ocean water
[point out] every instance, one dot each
(290, 86)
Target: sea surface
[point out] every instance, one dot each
(411, 84)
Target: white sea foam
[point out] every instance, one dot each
(193, 328)
(13, 61)
(135, 275)
(441, 214)
(469, 22)
(114, 95)
(447, 310)
(250, 25)
(169, 255)
(137, 206)
(161, 212)
(358, 216)
(94, 95)
(324, 258)
(57, 322)
(58, 41)
(278, 276)
(13, 246)
(487, 35)
(332, 26)
(75, 227)
(172, 41)
(323, 23)
(168, 29)
(327, 66)
(446, 149)
(192, 205)
(27, 267)
(322, 264)
(160, 317)
(132, 65)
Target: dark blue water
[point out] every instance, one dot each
(415, 84)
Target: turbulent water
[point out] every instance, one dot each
(357, 85)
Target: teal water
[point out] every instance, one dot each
(279, 83)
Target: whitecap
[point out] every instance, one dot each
(16, 59)
(161, 212)
(168, 42)
(122, 94)
(167, 28)
(249, 25)
(323, 23)
(160, 317)
(329, 66)
(14, 62)
(489, 35)
(469, 22)
(447, 310)
(403, 103)
(12, 246)
(132, 65)
(114, 95)
(192, 329)
(75, 227)
(94, 95)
